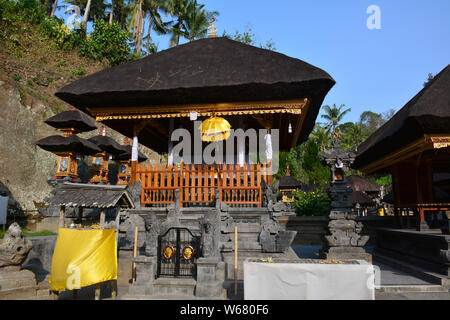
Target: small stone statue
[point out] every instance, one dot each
(14, 247)
(153, 227)
(210, 234)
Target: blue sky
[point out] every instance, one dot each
(375, 69)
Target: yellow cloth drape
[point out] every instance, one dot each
(83, 258)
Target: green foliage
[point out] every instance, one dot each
(24, 10)
(314, 203)
(64, 38)
(79, 71)
(382, 180)
(107, 41)
(248, 37)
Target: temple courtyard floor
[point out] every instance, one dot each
(395, 284)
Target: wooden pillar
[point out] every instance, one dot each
(61, 216)
(134, 158)
(113, 289)
(80, 215)
(102, 217)
(117, 226)
(97, 291)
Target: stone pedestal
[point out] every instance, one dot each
(16, 283)
(345, 253)
(145, 275)
(210, 277)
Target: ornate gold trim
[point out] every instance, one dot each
(219, 109)
(427, 142)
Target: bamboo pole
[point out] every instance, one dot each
(235, 259)
(134, 254)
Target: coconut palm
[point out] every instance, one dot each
(198, 21)
(155, 22)
(136, 23)
(179, 10)
(334, 116)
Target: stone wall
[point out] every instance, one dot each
(39, 259)
(310, 230)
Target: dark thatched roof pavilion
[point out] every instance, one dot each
(414, 146)
(209, 75)
(428, 113)
(358, 183)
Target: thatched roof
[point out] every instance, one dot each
(358, 183)
(72, 119)
(72, 143)
(212, 70)
(90, 196)
(107, 144)
(361, 198)
(289, 182)
(427, 113)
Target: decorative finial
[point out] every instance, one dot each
(212, 31)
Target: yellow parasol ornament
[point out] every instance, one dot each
(215, 129)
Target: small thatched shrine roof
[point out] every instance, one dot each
(205, 74)
(107, 144)
(72, 143)
(358, 183)
(361, 198)
(91, 196)
(427, 113)
(74, 119)
(289, 182)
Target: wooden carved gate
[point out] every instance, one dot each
(178, 250)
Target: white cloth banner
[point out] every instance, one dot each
(134, 150)
(268, 138)
(3, 209)
(308, 281)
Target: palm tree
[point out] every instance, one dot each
(137, 24)
(321, 135)
(334, 116)
(155, 21)
(198, 21)
(179, 10)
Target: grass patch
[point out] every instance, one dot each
(28, 233)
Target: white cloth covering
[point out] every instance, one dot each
(308, 281)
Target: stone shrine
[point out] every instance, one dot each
(345, 240)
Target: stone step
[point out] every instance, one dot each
(19, 293)
(411, 288)
(174, 286)
(414, 270)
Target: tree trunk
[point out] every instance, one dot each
(149, 30)
(112, 12)
(86, 13)
(54, 8)
(139, 27)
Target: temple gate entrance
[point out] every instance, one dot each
(178, 250)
